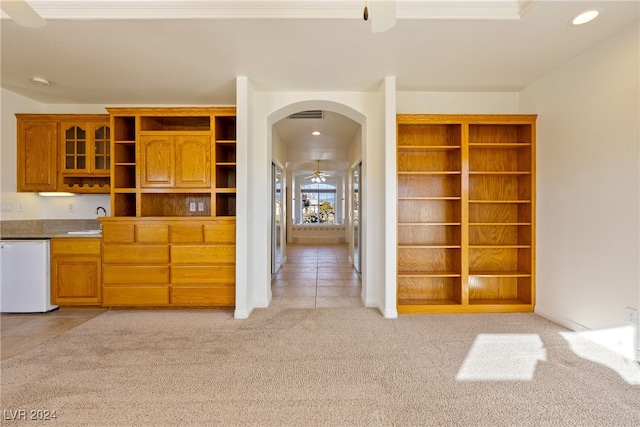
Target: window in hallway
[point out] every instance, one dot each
(318, 203)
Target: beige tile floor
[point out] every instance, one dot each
(22, 332)
(316, 276)
(313, 277)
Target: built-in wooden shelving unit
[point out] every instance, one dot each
(466, 203)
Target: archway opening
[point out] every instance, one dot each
(317, 144)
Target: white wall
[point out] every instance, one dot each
(588, 189)
(34, 206)
(457, 102)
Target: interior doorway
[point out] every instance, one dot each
(318, 149)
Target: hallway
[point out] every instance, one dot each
(316, 276)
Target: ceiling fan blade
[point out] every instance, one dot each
(22, 13)
(383, 15)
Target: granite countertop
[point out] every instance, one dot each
(47, 228)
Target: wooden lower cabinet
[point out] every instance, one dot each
(168, 263)
(76, 272)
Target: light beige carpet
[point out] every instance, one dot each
(301, 367)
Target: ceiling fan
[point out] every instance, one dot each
(22, 13)
(383, 14)
(318, 176)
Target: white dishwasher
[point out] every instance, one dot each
(25, 285)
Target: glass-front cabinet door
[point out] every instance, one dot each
(86, 148)
(101, 148)
(85, 155)
(75, 148)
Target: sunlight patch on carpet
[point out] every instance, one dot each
(613, 348)
(502, 357)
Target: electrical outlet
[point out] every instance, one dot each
(19, 207)
(192, 206)
(200, 206)
(632, 316)
(70, 207)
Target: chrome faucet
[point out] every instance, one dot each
(98, 213)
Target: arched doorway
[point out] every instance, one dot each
(319, 214)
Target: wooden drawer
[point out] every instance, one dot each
(142, 274)
(135, 296)
(118, 233)
(203, 296)
(149, 233)
(75, 246)
(198, 274)
(203, 254)
(186, 233)
(220, 233)
(135, 254)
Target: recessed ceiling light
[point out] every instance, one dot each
(316, 133)
(40, 81)
(585, 17)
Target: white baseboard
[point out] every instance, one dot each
(570, 324)
(390, 314)
(241, 314)
(562, 321)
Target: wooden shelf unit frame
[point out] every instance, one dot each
(466, 208)
(173, 162)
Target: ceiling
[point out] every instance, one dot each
(189, 52)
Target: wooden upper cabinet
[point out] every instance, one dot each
(157, 162)
(176, 161)
(85, 148)
(173, 162)
(64, 152)
(37, 151)
(85, 154)
(193, 161)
